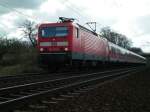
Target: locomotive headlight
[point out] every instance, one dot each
(66, 49)
(41, 49)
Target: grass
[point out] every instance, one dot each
(19, 69)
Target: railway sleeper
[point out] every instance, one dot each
(41, 89)
(22, 111)
(49, 102)
(16, 95)
(4, 98)
(74, 94)
(34, 91)
(27, 92)
(38, 107)
(81, 91)
(58, 99)
(67, 96)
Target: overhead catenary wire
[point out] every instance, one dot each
(28, 17)
(5, 5)
(69, 5)
(79, 12)
(66, 3)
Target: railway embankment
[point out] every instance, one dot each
(129, 94)
(17, 57)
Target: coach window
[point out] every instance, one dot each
(77, 32)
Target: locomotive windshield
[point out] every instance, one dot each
(53, 32)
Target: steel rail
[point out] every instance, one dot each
(8, 81)
(36, 84)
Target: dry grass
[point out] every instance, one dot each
(17, 57)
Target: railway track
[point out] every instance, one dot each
(8, 81)
(12, 80)
(40, 95)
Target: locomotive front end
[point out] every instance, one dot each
(54, 43)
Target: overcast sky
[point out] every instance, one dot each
(129, 17)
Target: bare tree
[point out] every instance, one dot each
(115, 37)
(105, 32)
(137, 50)
(29, 29)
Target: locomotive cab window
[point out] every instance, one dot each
(77, 33)
(47, 32)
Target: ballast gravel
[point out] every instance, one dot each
(129, 94)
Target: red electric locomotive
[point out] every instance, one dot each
(68, 43)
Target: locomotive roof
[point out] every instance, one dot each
(84, 28)
(57, 24)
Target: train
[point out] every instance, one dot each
(69, 43)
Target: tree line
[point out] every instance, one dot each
(116, 38)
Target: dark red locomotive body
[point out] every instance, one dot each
(67, 42)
